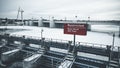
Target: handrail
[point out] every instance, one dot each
(65, 41)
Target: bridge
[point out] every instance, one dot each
(53, 23)
(15, 49)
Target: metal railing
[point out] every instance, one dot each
(115, 48)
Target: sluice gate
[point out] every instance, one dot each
(30, 52)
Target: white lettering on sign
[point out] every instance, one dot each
(78, 29)
(75, 26)
(72, 29)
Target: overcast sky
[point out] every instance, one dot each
(96, 9)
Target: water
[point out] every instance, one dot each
(53, 33)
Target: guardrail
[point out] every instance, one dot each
(96, 45)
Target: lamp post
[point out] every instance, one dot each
(41, 33)
(111, 49)
(113, 40)
(76, 18)
(119, 30)
(88, 18)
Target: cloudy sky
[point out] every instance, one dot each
(61, 9)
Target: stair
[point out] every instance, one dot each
(113, 64)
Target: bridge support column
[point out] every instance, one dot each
(52, 23)
(88, 27)
(31, 23)
(26, 23)
(40, 22)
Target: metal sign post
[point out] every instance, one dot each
(75, 29)
(74, 43)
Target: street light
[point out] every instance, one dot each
(119, 30)
(111, 51)
(113, 40)
(42, 32)
(88, 18)
(76, 18)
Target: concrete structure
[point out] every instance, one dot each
(30, 22)
(9, 55)
(40, 23)
(52, 23)
(26, 23)
(46, 58)
(30, 62)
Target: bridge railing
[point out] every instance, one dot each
(56, 40)
(115, 48)
(92, 44)
(31, 37)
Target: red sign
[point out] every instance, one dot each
(77, 29)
